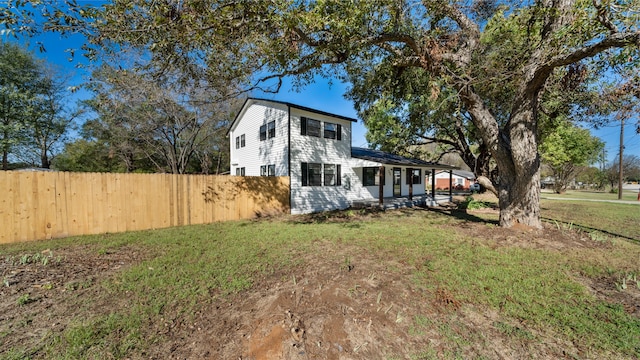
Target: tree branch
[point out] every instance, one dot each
(603, 17)
(617, 40)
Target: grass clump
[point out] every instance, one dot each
(612, 218)
(472, 204)
(43, 258)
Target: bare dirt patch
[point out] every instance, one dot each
(550, 237)
(37, 295)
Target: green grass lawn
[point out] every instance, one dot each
(611, 218)
(627, 195)
(189, 267)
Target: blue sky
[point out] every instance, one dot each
(319, 95)
(322, 94)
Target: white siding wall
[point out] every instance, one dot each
(368, 192)
(309, 149)
(361, 192)
(272, 151)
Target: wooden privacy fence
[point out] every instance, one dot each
(44, 205)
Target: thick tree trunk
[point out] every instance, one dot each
(5, 146)
(519, 200)
(519, 185)
(515, 150)
(44, 161)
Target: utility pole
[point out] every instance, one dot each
(620, 160)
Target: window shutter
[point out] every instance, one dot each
(304, 174)
(409, 175)
(339, 133)
(303, 125)
(338, 173)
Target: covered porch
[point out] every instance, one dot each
(424, 200)
(393, 181)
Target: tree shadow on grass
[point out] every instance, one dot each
(591, 229)
(462, 214)
(350, 217)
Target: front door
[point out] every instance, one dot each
(397, 183)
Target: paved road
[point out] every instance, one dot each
(627, 188)
(594, 200)
(631, 187)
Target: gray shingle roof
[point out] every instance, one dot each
(291, 105)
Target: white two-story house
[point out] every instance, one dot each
(313, 148)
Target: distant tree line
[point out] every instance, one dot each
(134, 122)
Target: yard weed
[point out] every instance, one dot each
(25, 299)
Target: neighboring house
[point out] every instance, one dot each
(460, 180)
(547, 182)
(313, 148)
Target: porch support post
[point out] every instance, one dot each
(433, 184)
(381, 186)
(410, 179)
(450, 185)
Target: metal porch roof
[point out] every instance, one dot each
(392, 159)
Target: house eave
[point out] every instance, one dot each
(288, 104)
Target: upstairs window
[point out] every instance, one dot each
(271, 128)
(332, 131)
(268, 170)
(310, 127)
(263, 132)
(240, 141)
(268, 130)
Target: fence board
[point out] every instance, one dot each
(45, 205)
(25, 208)
(62, 191)
(7, 211)
(49, 205)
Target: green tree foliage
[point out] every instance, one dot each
(145, 119)
(19, 80)
(405, 108)
(470, 50)
(83, 155)
(35, 120)
(566, 149)
(592, 177)
(48, 126)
